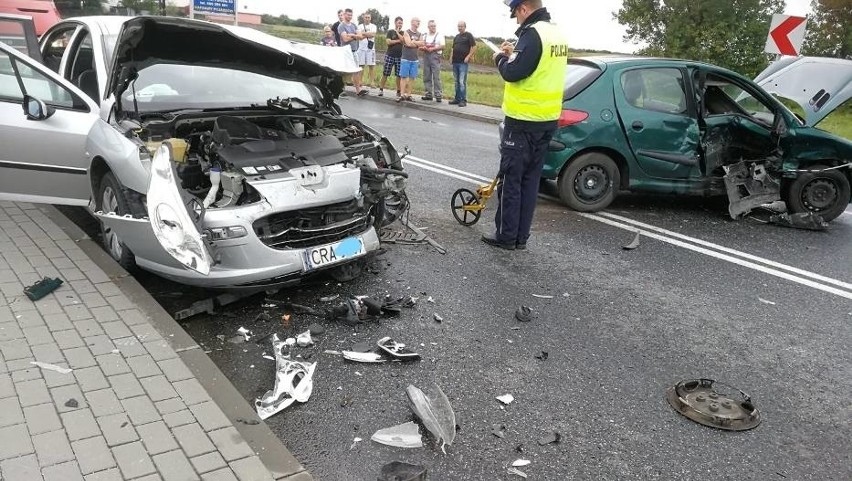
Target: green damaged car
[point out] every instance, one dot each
(681, 127)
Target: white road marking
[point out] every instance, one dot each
(793, 274)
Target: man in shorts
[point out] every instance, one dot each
(367, 49)
(395, 39)
(409, 65)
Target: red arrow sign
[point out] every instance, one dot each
(780, 35)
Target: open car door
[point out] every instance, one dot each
(18, 31)
(44, 125)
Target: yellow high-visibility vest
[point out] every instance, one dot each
(538, 98)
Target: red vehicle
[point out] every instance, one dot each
(43, 12)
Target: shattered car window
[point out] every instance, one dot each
(168, 87)
(723, 97)
(657, 89)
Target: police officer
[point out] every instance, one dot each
(534, 71)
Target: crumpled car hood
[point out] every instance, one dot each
(819, 85)
(146, 41)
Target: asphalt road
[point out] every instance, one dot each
(762, 308)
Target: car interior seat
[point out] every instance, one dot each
(87, 81)
(633, 87)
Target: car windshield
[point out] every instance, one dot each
(165, 87)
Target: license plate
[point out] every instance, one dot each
(326, 255)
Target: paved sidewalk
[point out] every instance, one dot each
(142, 402)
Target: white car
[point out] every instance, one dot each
(213, 155)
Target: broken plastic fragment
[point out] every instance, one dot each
(506, 399)
(551, 438)
(293, 382)
(520, 462)
(542, 356)
(399, 471)
(765, 301)
(633, 244)
(329, 298)
(523, 314)
(499, 430)
(304, 339)
(801, 220)
(517, 472)
(430, 300)
(354, 442)
(368, 357)
(436, 413)
(438, 318)
(245, 332)
(402, 436)
(542, 296)
(397, 350)
(42, 288)
(51, 367)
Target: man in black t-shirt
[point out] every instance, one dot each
(464, 46)
(393, 55)
(336, 25)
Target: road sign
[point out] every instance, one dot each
(218, 7)
(786, 35)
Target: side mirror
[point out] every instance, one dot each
(36, 109)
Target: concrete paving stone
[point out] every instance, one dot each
(32, 392)
(97, 275)
(57, 322)
(160, 350)
(145, 332)
(10, 331)
(141, 410)
(130, 347)
(3, 368)
(42, 418)
(69, 471)
(31, 251)
(120, 302)
(77, 312)
(47, 242)
(126, 386)
(209, 416)
(107, 288)
(94, 299)
(22, 468)
(157, 437)
(76, 254)
(54, 253)
(179, 418)
(115, 329)
(72, 274)
(220, 475)
(7, 387)
(47, 271)
(20, 305)
(80, 424)
(144, 366)
(170, 406)
(133, 460)
(104, 402)
(19, 365)
(91, 379)
(38, 335)
(88, 328)
(150, 477)
(11, 288)
(251, 469)
(29, 278)
(100, 345)
(48, 352)
(7, 274)
(208, 462)
(229, 442)
(93, 455)
(38, 261)
(158, 388)
(113, 474)
(117, 429)
(55, 379)
(52, 448)
(47, 305)
(67, 297)
(68, 339)
(104, 313)
(173, 466)
(15, 441)
(191, 391)
(10, 412)
(12, 350)
(62, 395)
(28, 373)
(84, 287)
(80, 357)
(6, 314)
(193, 440)
(132, 317)
(112, 364)
(175, 370)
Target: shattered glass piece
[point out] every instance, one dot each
(542, 296)
(245, 332)
(293, 382)
(368, 357)
(517, 472)
(552, 438)
(402, 436)
(633, 244)
(51, 367)
(436, 413)
(430, 300)
(714, 404)
(802, 220)
(506, 399)
(290, 342)
(397, 350)
(304, 339)
(765, 301)
(520, 463)
(399, 471)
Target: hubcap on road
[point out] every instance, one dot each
(591, 183)
(819, 195)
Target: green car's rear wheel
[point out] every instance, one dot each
(825, 193)
(590, 182)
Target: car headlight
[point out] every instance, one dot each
(225, 233)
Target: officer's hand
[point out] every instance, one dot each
(507, 48)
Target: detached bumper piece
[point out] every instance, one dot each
(306, 228)
(42, 288)
(724, 408)
(749, 185)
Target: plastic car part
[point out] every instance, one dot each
(366, 357)
(802, 220)
(524, 314)
(436, 413)
(700, 401)
(749, 186)
(399, 471)
(293, 382)
(397, 350)
(633, 244)
(42, 288)
(402, 436)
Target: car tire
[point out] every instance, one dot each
(825, 193)
(590, 182)
(111, 198)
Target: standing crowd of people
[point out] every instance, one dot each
(408, 52)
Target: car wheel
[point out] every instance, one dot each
(111, 198)
(825, 193)
(590, 182)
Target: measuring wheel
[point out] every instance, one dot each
(466, 207)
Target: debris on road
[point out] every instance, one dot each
(246, 333)
(42, 288)
(293, 382)
(316, 330)
(765, 301)
(72, 403)
(361, 347)
(248, 422)
(332, 352)
(802, 220)
(306, 310)
(552, 438)
(367, 357)
(429, 240)
(51, 367)
(405, 435)
(304, 339)
(397, 350)
(499, 430)
(430, 300)
(524, 314)
(542, 296)
(329, 298)
(517, 472)
(542, 356)
(727, 408)
(437, 317)
(436, 413)
(354, 442)
(633, 244)
(399, 471)
(209, 305)
(518, 463)
(506, 399)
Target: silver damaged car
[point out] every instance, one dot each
(213, 155)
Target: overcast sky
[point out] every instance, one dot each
(588, 24)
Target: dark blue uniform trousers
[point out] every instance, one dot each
(521, 160)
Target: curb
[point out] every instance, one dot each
(259, 437)
(431, 107)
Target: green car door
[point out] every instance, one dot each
(659, 121)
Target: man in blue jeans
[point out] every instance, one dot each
(464, 46)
